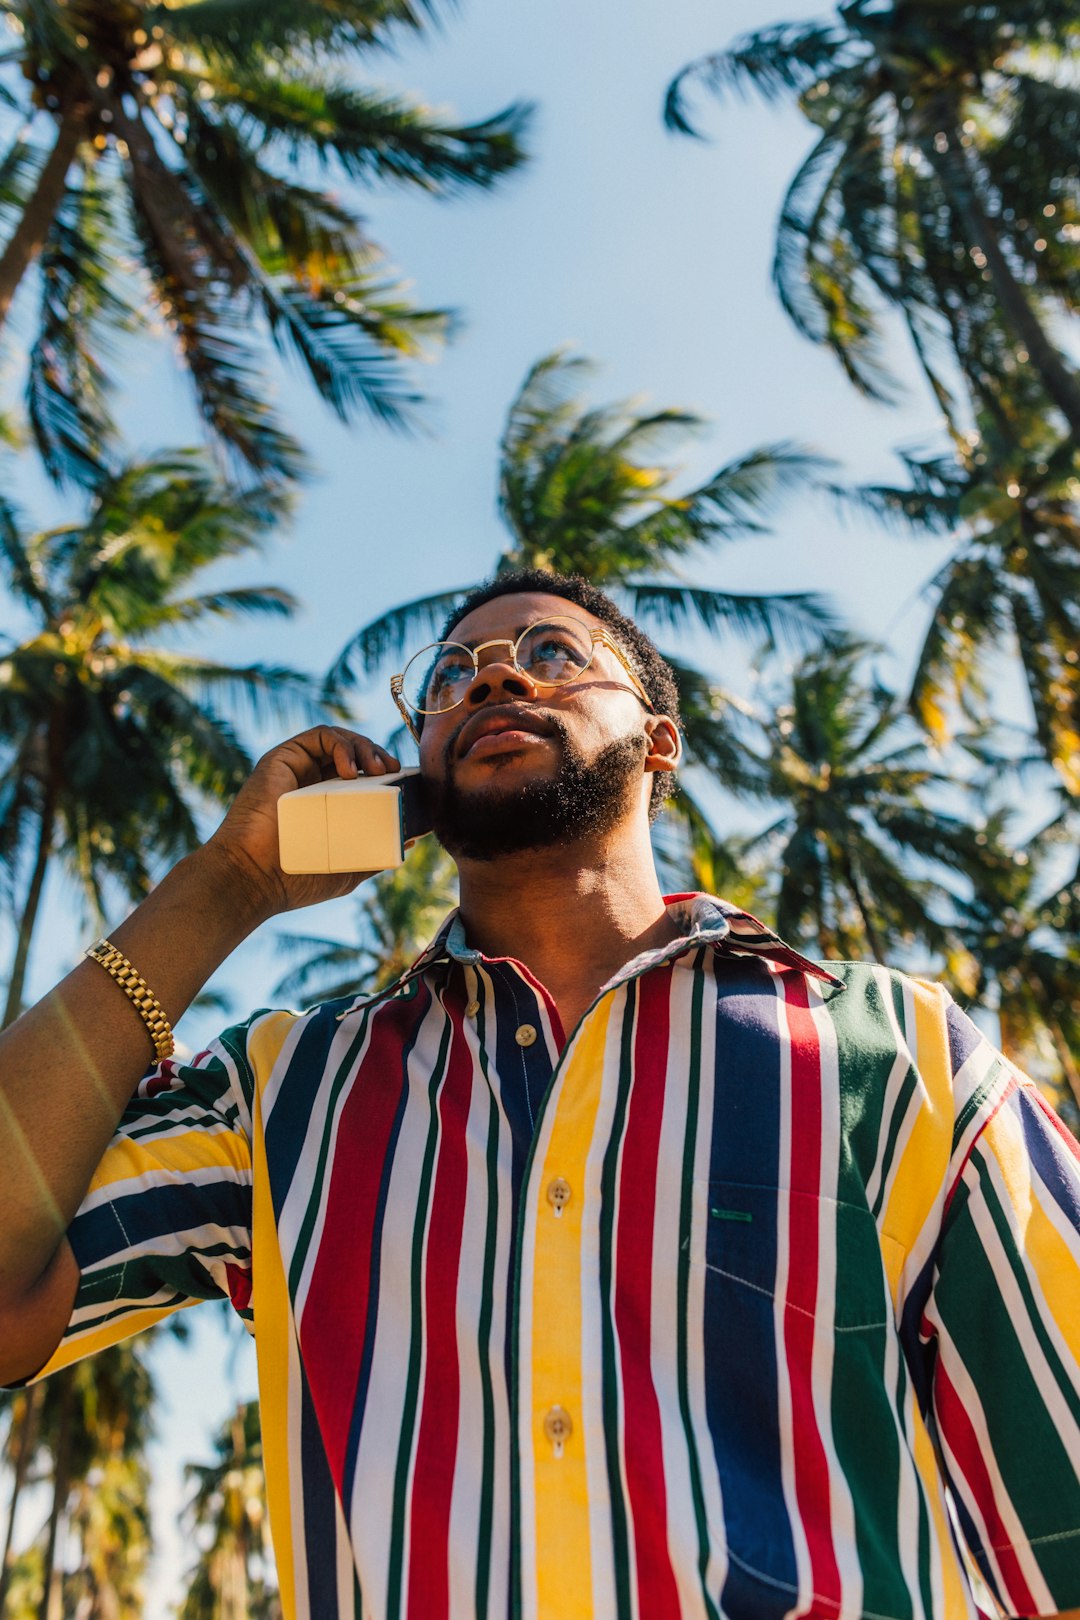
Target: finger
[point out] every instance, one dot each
(378, 760)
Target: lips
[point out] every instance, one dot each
(494, 723)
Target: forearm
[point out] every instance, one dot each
(69, 1065)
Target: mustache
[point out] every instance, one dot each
(523, 713)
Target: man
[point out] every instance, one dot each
(618, 1261)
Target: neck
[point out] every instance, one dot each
(574, 915)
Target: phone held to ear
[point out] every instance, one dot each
(364, 825)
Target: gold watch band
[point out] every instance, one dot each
(138, 992)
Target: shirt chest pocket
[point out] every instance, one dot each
(817, 1256)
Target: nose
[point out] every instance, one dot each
(498, 678)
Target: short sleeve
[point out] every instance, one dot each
(1004, 1316)
(166, 1221)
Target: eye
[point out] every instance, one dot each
(449, 671)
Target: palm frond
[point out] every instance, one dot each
(390, 633)
(797, 619)
(372, 135)
(772, 61)
(234, 30)
(346, 338)
(24, 574)
(82, 308)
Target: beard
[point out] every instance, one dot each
(581, 800)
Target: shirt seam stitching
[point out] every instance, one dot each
(786, 1586)
(769, 1293)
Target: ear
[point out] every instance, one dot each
(664, 743)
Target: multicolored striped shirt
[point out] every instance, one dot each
(758, 1296)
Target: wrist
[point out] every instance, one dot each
(235, 885)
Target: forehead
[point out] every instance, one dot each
(509, 615)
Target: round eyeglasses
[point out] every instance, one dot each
(552, 652)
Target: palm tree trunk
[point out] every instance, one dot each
(872, 937)
(980, 230)
(26, 241)
(30, 910)
(1067, 1059)
(27, 1434)
(50, 1594)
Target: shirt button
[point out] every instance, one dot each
(472, 1009)
(559, 1194)
(525, 1034)
(558, 1427)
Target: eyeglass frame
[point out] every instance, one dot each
(600, 636)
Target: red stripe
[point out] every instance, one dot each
(239, 1280)
(800, 1304)
(1011, 1086)
(437, 1437)
(1062, 1130)
(335, 1312)
(642, 1448)
(960, 1437)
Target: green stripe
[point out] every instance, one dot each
(412, 1381)
(314, 1199)
(608, 1182)
(1019, 1425)
(693, 1104)
(977, 1101)
(487, 1304)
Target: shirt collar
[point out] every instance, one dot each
(703, 919)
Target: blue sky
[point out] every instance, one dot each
(648, 253)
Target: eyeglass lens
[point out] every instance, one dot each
(551, 652)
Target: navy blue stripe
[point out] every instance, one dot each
(320, 1540)
(114, 1229)
(918, 1356)
(964, 1037)
(285, 1130)
(417, 1006)
(523, 1075)
(740, 1339)
(1047, 1154)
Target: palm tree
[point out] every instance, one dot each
(23, 1409)
(110, 739)
(1011, 501)
(1019, 956)
(171, 137)
(228, 1515)
(858, 860)
(943, 182)
(587, 490)
(398, 913)
(88, 1449)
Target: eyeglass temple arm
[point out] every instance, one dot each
(397, 686)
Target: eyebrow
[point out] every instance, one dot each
(482, 641)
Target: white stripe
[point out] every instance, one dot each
(320, 1122)
(675, 1442)
(841, 1515)
(395, 1330)
(716, 1569)
(969, 1396)
(785, 1417)
(593, 1310)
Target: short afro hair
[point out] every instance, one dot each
(651, 667)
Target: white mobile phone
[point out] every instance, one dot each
(364, 825)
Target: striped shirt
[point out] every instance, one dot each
(759, 1296)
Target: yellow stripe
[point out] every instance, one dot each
(1054, 1263)
(79, 1345)
(273, 1319)
(956, 1602)
(563, 1559)
(126, 1160)
(925, 1159)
